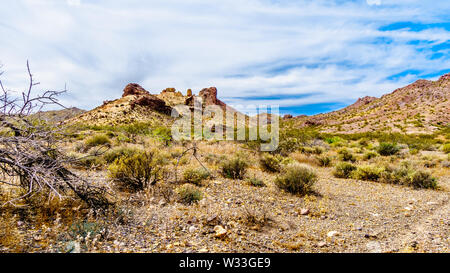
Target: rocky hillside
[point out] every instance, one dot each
(138, 105)
(420, 107)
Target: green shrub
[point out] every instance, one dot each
(96, 140)
(422, 180)
(296, 179)
(344, 170)
(195, 176)
(189, 194)
(137, 171)
(368, 172)
(111, 155)
(370, 155)
(387, 149)
(234, 168)
(446, 148)
(406, 175)
(313, 150)
(346, 155)
(163, 133)
(255, 182)
(270, 163)
(323, 161)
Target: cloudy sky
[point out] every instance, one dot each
(306, 56)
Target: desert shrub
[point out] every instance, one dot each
(370, 155)
(189, 194)
(287, 146)
(136, 128)
(446, 148)
(256, 182)
(137, 171)
(387, 149)
(313, 150)
(96, 140)
(422, 180)
(323, 161)
(406, 175)
(270, 163)
(364, 142)
(164, 134)
(234, 168)
(112, 155)
(296, 179)
(332, 140)
(346, 155)
(368, 172)
(344, 170)
(195, 176)
(413, 151)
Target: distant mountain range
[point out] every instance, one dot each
(420, 107)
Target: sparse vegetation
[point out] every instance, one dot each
(296, 179)
(234, 168)
(189, 194)
(387, 149)
(137, 171)
(195, 176)
(344, 170)
(270, 163)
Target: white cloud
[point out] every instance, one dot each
(374, 2)
(244, 48)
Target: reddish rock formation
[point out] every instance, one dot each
(287, 116)
(134, 89)
(189, 92)
(209, 97)
(152, 102)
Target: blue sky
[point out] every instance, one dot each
(306, 56)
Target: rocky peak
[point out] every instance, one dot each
(134, 89)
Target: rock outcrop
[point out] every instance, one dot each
(134, 89)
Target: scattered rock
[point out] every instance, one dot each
(304, 211)
(192, 229)
(220, 232)
(333, 233)
(322, 244)
(374, 247)
(73, 247)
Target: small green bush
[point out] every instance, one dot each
(189, 194)
(406, 175)
(446, 148)
(111, 155)
(234, 168)
(387, 149)
(370, 155)
(296, 179)
(195, 176)
(270, 163)
(137, 171)
(344, 170)
(255, 182)
(323, 161)
(422, 180)
(368, 172)
(96, 140)
(346, 155)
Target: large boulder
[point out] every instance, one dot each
(134, 89)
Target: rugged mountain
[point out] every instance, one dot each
(420, 107)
